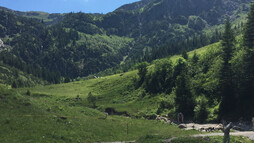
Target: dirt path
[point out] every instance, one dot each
(249, 135)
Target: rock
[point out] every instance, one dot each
(165, 119)
(238, 128)
(218, 127)
(210, 129)
(182, 126)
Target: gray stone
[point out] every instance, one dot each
(182, 126)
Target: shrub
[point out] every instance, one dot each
(91, 99)
(201, 111)
(28, 93)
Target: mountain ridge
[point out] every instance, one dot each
(155, 26)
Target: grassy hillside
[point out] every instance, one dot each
(117, 91)
(8, 75)
(62, 113)
(51, 117)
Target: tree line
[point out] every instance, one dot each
(218, 84)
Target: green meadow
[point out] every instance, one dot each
(62, 113)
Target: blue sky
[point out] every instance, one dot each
(65, 6)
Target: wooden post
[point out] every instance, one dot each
(226, 131)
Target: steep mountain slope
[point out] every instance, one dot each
(48, 18)
(15, 77)
(55, 51)
(81, 44)
(156, 23)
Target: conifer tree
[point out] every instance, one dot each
(249, 43)
(249, 29)
(184, 98)
(247, 87)
(185, 54)
(226, 84)
(195, 58)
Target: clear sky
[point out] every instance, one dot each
(65, 6)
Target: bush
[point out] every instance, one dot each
(201, 111)
(28, 93)
(142, 71)
(91, 99)
(14, 84)
(164, 105)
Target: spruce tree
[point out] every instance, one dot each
(185, 54)
(195, 58)
(184, 98)
(249, 29)
(226, 84)
(247, 87)
(249, 44)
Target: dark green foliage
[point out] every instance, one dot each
(161, 78)
(14, 84)
(142, 71)
(184, 54)
(67, 79)
(184, 99)
(195, 58)
(246, 86)
(91, 99)
(196, 23)
(226, 83)
(55, 51)
(48, 52)
(28, 93)
(249, 29)
(164, 105)
(201, 110)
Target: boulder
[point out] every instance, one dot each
(219, 127)
(182, 126)
(238, 128)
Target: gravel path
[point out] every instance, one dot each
(250, 135)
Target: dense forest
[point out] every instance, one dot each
(130, 74)
(58, 46)
(213, 86)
